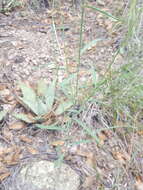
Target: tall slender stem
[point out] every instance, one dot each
(80, 46)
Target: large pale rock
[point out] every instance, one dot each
(43, 175)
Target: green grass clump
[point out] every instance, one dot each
(123, 90)
(9, 5)
(120, 92)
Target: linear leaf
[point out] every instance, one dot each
(94, 75)
(50, 95)
(23, 117)
(103, 12)
(42, 88)
(49, 127)
(29, 97)
(2, 115)
(42, 108)
(33, 106)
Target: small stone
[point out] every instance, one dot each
(19, 59)
(101, 3)
(43, 174)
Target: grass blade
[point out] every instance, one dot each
(2, 115)
(23, 117)
(49, 127)
(94, 75)
(103, 12)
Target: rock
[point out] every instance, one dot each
(19, 59)
(43, 175)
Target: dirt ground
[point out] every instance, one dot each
(31, 49)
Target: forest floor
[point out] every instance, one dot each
(33, 46)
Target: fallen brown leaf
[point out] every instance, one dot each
(49, 118)
(90, 158)
(10, 99)
(13, 157)
(26, 139)
(4, 175)
(32, 150)
(122, 157)
(17, 125)
(3, 169)
(140, 132)
(30, 116)
(89, 180)
(139, 183)
(7, 134)
(58, 143)
(102, 138)
(91, 161)
(2, 151)
(84, 153)
(9, 150)
(68, 157)
(2, 86)
(108, 24)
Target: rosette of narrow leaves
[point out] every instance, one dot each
(41, 104)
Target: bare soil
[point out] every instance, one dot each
(31, 49)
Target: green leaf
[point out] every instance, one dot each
(63, 107)
(94, 75)
(50, 95)
(47, 96)
(28, 92)
(33, 106)
(103, 12)
(42, 108)
(50, 127)
(60, 159)
(23, 117)
(2, 115)
(89, 45)
(42, 88)
(29, 98)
